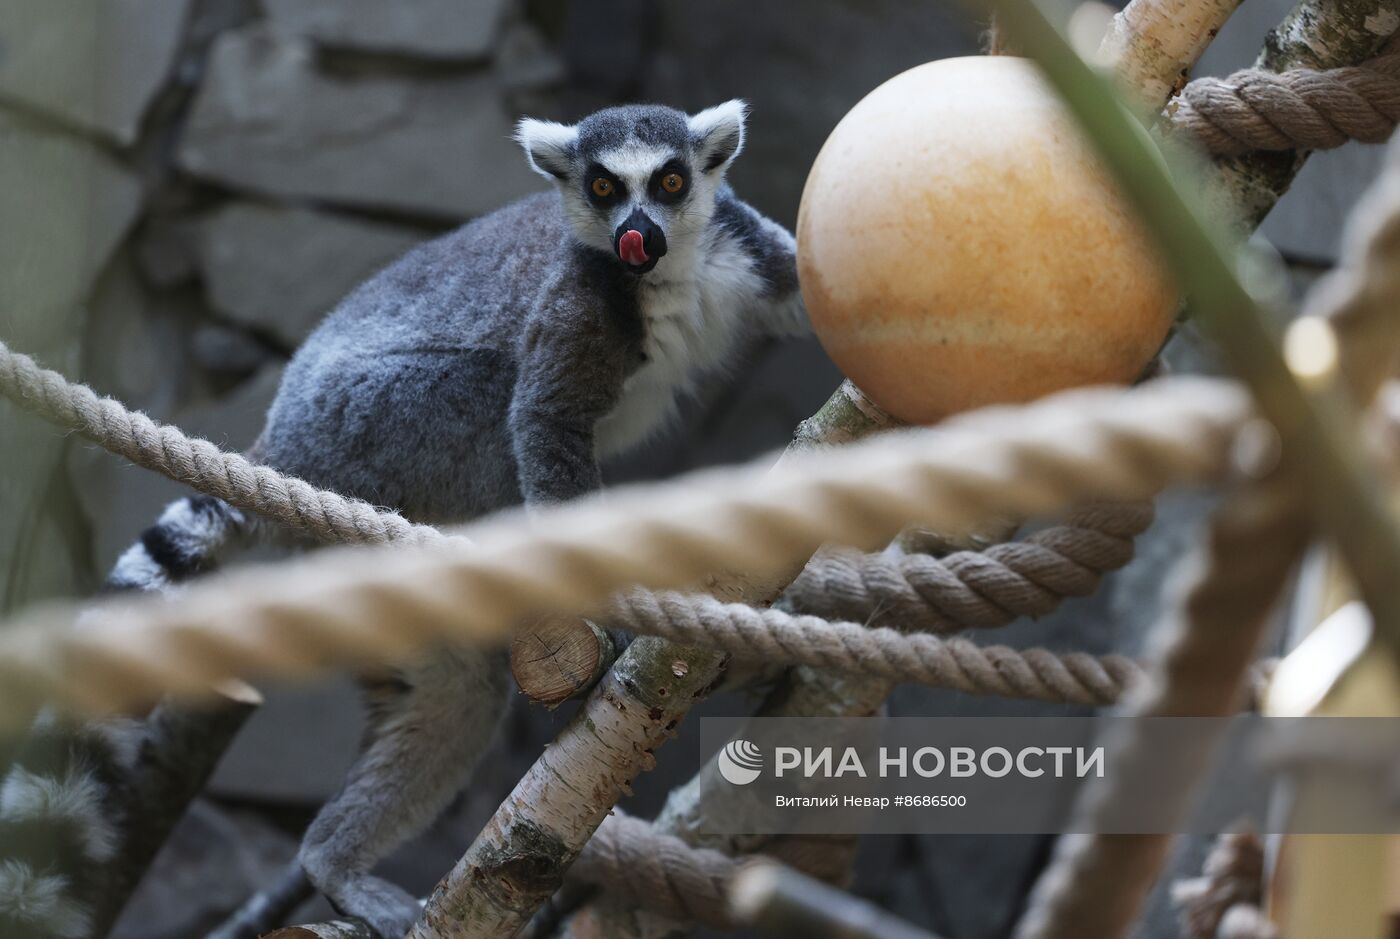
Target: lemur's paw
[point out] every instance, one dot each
(389, 910)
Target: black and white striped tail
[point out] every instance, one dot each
(185, 542)
(58, 823)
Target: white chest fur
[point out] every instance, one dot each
(692, 326)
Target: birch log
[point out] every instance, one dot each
(561, 657)
(180, 747)
(340, 929)
(518, 860)
(1152, 45)
(1319, 34)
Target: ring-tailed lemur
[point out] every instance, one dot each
(490, 367)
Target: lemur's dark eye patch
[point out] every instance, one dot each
(671, 182)
(603, 187)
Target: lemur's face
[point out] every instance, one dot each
(640, 181)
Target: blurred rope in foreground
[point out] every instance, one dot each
(352, 607)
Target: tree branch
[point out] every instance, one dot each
(179, 750)
(267, 909)
(1153, 44)
(518, 860)
(340, 929)
(562, 657)
(1318, 34)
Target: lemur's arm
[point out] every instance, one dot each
(570, 376)
(782, 311)
(778, 308)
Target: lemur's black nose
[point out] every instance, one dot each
(639, 257)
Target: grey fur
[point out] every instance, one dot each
(492, 367)
(464, 377)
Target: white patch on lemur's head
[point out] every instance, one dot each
(717, 135)
(76, 798)
(549, 147)
(634, 162)
(41, 899)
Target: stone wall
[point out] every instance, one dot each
(196, 182)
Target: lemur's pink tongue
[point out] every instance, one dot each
(629, 248)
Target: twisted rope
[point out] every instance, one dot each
(964, 590)
(1300, 109)
(1230, 888)
(1246, 921)
(199, 463)
(958, 664)
(974, 589)
(633, 860)
(770, 635)
(646, 868)
(643, 867)
(1253, 543)
(347, 607)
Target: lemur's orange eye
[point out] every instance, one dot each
(602, 188)
(673, 183)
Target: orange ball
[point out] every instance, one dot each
(959, 245)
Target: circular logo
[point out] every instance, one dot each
(740, 762)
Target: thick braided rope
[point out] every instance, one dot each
(974, 589)
(968, 589)
(1246, 921)
(774, 636)
(644, 867)
(198, 463)
(958, 664)
(964, 590)
(1233, 876)
(1300, 109)
(356, 606)
(1253, 542)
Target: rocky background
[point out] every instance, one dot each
(187, 186)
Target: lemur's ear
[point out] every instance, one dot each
(717, 134)
(548, 146)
